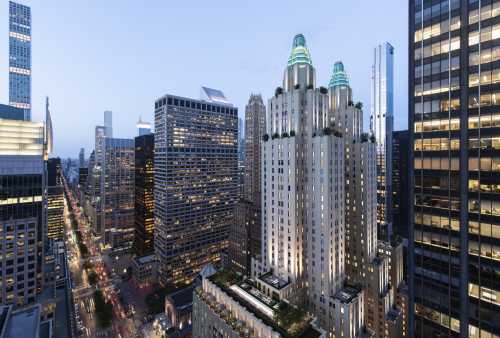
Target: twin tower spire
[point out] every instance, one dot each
(300, 56)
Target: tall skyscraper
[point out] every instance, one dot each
(20, 57)
(195, 182)
(55, 200)
(81, 158)
(245, 238)
(117, 193)
(144, 198)
(108, 123)
(23, 218)
(382, 120)
(96, 181)
(454, 173)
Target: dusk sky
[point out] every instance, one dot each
(120, 55)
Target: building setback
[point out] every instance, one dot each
(196, 183)
(454, 125)
(144, 199)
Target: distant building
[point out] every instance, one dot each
(143, 128)
(55, 200)
(81, 157)
(195, 182)
(20, 58)
(144, 198)
(108, 123)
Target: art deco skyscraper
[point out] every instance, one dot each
(245, 236)
(196, 182)
(454, 124)
(20, 57)
(382, 117)
(303, 201)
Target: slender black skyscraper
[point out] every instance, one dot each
(454, 124)
(144, 200)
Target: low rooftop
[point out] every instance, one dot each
(274, 281)
(24, 322)
(347, 294)
(289, 321)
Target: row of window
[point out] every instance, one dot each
(440, 66)
(484, 207)
(435, 106)
(445, 241)
(435, 11)
(484, 56)
(437, 29)
(438, 48)
(437, 86)
(441, 144)
(437, 144)
(479, 228)
(445, 163)
(485, 121)
(487, 11)
(487, 77)
(437, 125)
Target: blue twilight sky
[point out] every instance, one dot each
(94, 55)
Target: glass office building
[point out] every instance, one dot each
(196, 182)
(20, 57)
(454, 123)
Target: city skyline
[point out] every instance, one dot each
(99, 81)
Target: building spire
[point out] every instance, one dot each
(339, 76)
(48, 130)
(300, 52)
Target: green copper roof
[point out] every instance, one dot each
(339, 76)
(300, 53)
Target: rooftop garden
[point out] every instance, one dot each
(288, 320)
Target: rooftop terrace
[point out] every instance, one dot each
(289, 321)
